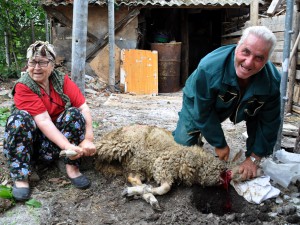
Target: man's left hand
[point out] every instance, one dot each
(248, 169)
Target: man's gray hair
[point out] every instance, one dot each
(262, 32)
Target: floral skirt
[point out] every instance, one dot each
(25, 145)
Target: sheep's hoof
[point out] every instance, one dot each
(125, 192)
(155, 206)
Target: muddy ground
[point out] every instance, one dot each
(103, 203)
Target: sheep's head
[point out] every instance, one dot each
(209, 174)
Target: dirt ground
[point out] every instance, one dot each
(103, 203)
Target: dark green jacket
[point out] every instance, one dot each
(212, 94)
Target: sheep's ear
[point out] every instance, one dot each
(237, 156)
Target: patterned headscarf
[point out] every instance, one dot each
(41, 48)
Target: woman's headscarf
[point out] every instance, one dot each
(41, 48)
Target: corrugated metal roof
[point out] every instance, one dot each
(154, 2)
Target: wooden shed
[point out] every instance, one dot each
(200, 25)
(197, 24)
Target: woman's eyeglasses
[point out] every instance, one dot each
(40, 63)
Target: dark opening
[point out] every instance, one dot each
(204, 35)
(205, 28)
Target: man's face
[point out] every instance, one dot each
(251, 56)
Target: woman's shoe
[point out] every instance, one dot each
(81, 182)
(21, 193)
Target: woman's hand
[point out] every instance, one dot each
(88, 147)
(77, 149)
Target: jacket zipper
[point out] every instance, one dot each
(238, 105)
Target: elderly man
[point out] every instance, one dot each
(236, 82)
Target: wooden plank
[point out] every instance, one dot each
(254, 12)
(298, 75)
(275, 27)
(296, 109)
(277, 58)
(275, 24)
(273, 7)
(233, 40)
(296, 94)
(272, 20)
(297, 72)
(236, 33)
(230, 41)
(279, 36)
(100, 64)
(139, 71)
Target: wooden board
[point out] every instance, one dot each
(273, 7)
(278, 56)
(100, 64)
(139, 71)
(296, 94)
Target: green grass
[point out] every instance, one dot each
(4, 114)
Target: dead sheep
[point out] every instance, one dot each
(148, 152)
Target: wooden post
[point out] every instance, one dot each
(184, 47)
(293, 65)
(111, 41)
(79, 38)
(254, 10)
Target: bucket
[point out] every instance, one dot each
(169, 57)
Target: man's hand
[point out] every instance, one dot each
(248, 169)
(88, 147)
(223, 153)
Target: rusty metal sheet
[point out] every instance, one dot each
(157, 2)
(139, 71)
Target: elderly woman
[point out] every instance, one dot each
(49, 114)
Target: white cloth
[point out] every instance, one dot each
(256, 190)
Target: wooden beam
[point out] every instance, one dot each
(254, 10)
(184, 47)
(273, 7)
(277, 58)
(66, 21)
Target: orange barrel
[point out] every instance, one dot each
(169, 57)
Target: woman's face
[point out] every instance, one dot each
(40, 68)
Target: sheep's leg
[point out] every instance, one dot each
(162, 189)
(138, 188)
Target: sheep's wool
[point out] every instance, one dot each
(152, 153)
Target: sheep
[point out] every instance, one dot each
(150, 153)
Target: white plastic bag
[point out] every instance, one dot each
(282, 173)
(287, 157)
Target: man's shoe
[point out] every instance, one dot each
(81, 182)
(21, 193)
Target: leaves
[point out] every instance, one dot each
(6, 192)
(4, 114)
(16, 18)
(34, 203)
